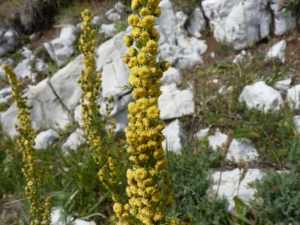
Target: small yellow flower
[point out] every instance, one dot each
(145, 12)
(118, 209)
(147, 22)
(156, 196)
(133, 20)
(128, 40)
(161, 164)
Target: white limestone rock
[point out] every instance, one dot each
(114, 72)
(108, 30)
(167, 29)
(11, 37)
(27, 53)
(173, 133)
(3, 101)
(201, 134)
(169, 53)
(261, 96)
(96, 20)
(23, 69)
(76, 139)
(217, 140)
(172, 75)
(61, 48)
(283, 20)
(229, 185)
(120, 7)
(196, 23)
(52, 102)
(297, 123)
(293, 96)
(47, 111)
(188, 61)
(5, 48)
(277, 52)
(64, 83)
(242, 57)
(241, 150)
(78, 115)
(41, 66)
(45, 138)
(174, 103)
(283, 85)
(238, 23)
(5, 92)
(58, 218)
(113, 17)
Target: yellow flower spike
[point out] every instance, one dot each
(94, 123)
(148, 183)
(39, 213)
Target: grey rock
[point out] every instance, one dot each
(238, 23)
(11, 37)
(173, 133)
(196, 23)
(45, 139)
(261, 96)
(108, 30)
(76, 139)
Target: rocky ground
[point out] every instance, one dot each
(214, 92)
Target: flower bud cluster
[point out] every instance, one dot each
(40, 214)
(99, 140)
(148, 188)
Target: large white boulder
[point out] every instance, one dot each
(167, 28)
(47, 111)
(238, 23)
(173, 133)
(261, 96)
(283, 20)
(52, 100)
(64, 83)
(114, 72)
(174, 103)
(229, 186)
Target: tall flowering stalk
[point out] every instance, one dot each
(149, 191)
(40, 214)
(99, 139)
